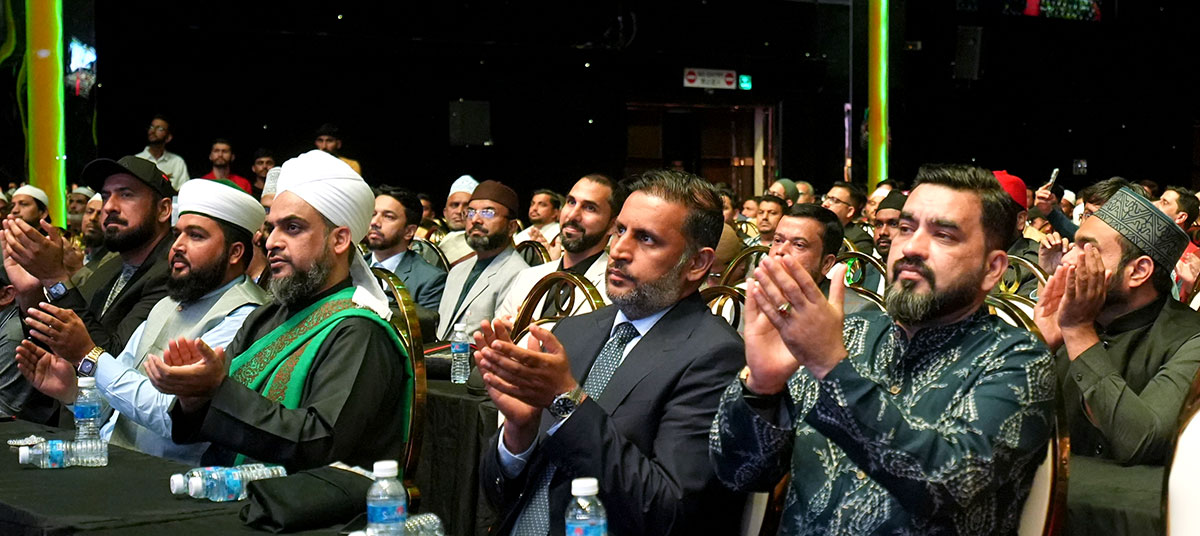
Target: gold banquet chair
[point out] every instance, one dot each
(1181, 496)
(1015, 283)
(725, 302)
(430, 252)
(404, 320)
(572, 287)
(747, 228)
(533, 252)
(859, 264)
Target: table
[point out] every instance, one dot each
(128, 497)
(459, 422)
(1104, 497)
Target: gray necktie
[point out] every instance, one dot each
(126, 273)
(535, 518)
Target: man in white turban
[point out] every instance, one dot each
(454, 244)
(30, 204)
(209, 297)
(317, 376)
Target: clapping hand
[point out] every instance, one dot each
(190, 370)
(1188, 270)
(809, 324)
(61, 330)
(41, 256)
(1051, 250)
(47, 372)
(521, 381)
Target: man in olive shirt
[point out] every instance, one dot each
(1126, 352)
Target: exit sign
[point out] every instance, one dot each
(744, 82)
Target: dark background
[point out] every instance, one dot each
(1117, 92)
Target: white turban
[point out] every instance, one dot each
(34, 192)
(1069, 196)
(84, 191)
(221, 201)
(94, 198)
(271, 184)
(331, 187)
(465, 184)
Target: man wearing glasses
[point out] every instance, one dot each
(476, 286)
(847, 200)
(158, 135)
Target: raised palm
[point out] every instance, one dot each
(47, 372)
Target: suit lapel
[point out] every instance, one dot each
(484, 280)
(590, 341)
(404, 267)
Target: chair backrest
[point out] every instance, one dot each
(847, 245)
(1015, 309)
(430, 252)
(860, 263)
(747, 257)
(870, 295)
(1045, 508)
(533, 252)
(725, 302)
(571, 287)
(1011, 284)
(435, 235)
(747, 228)
(1181, 496)
(404, 320)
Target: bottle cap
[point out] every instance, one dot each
(582, 487)
(86, 382)
(178, 484)
(23, 455)
(386, 469)
(195, 487)
(460, 327)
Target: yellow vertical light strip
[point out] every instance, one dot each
(46, 131)
(877, 89)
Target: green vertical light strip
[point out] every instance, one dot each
(877, 89)
(46, 131)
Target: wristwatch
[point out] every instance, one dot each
(563, 405)
(56, 291)
(87, 365)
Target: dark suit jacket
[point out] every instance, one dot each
(423, 280)
(646, 436)
(130, 308)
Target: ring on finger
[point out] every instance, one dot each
(783, 309)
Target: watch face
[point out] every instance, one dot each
(562, 406)
(87, 366)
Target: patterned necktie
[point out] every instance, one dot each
(126, 273)
(535, 518)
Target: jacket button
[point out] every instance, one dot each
(1079, 377)
(497, 481)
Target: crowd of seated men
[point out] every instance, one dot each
(864, 365)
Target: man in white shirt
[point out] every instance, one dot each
(544, 210)
(587, 222)
(157, 138)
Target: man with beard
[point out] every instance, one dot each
(929, 418)
(1126, 351)
(30, 204)
(770, 211)
(318, 375)
(221, 156)
(1025, 281)
(393, 224)
(630, 388)
(264, 161)
(157, 137)
(887, 226)
(119, 294)
(454, 245)
(476, 287)
(544, 209)
(208, 297)
(586, 223)
(77, 202)
(812, 235)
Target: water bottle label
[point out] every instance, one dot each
(87, 411)
(585, 528)
(459, 347)
(56, 452)
(390, 512)
(233, 484)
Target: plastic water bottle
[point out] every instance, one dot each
(230, 484)
(426, 524)
(179, 481)
(387, 502)
(53, 454)
(585, 515)
(460, 354)
(91, 450)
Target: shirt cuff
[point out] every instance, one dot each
(511, 464)
(1090, 367)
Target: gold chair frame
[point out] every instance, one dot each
(435, 235)
(1037, 271)
(747, 227)
(847, 245)
(423, 243)
(744, 256)
(527, 311)
(526, 245)
(1007, 303)
(408, 327)
(864, 258)
(718, 296)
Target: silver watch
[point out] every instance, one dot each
(563, 405)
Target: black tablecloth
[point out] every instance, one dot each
(459, 422)
(129, 497)
(1106, 498)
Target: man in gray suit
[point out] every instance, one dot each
(476, 286)
(393, 224)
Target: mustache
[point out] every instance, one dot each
(573, 225)
(113, 218)
(618, 266)
(914, 264)
(178, 257)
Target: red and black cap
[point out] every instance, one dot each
(100, 169)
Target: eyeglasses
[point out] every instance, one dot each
(156, 128)
(486, 213)
(834, 200)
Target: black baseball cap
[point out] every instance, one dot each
(100, 169)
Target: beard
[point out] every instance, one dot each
(302, 284)
(583, 242)
(92, 237)
(377, 244)
(199, 281)
(911, 308)
(487, 242)
(645, 299)
(133, 237)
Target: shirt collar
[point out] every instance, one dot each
(1136, 319)
(642, 325)
(389, 263)
(930, 339)
(580, 267)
